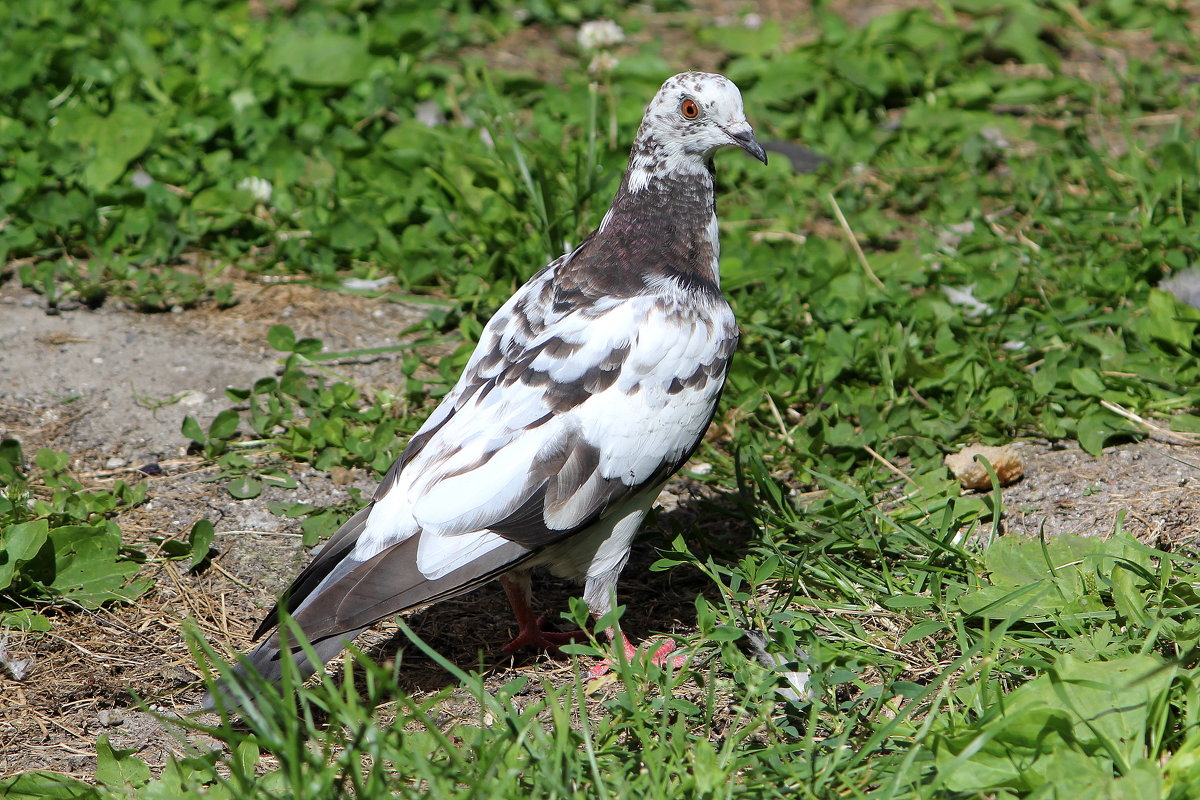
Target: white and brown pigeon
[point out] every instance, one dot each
(589, 388)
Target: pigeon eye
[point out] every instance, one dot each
(689, 109)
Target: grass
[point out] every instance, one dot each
(970, 149)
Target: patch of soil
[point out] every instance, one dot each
(1152, 488)
(671, 35)
(116, 385)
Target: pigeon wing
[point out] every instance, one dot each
(559, 417)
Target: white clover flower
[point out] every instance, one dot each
(603, 63)
(259, 187)
(1185, 286)
(599, 33)
(429, 114)
(995, 137)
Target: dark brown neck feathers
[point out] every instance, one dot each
(660, 232)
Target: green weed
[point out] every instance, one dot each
(976, 260)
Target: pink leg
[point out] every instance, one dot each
(662, 656)
(531, 631)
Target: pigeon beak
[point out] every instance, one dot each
(744, 138)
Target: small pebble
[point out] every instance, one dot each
(178, 675)
(110, 718)
(115, 463)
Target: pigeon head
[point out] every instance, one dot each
(693, 115)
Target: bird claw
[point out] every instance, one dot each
(536, 637)
(661, 657)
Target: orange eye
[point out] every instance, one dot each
(689, 109)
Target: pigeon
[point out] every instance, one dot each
(588, 389)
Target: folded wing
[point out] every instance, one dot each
(559, 416)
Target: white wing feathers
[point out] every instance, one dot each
(496, 441)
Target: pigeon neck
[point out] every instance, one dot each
(673, 217)
(651, 162)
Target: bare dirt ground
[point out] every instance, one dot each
(1151, 489)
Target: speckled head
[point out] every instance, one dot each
(693, 115)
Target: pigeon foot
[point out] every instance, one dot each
(662, 656)
(535, 637)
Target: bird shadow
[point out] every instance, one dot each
(470, 631)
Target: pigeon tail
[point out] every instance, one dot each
(353, 596)
(241, 688)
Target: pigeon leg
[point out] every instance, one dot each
(532, 633)
(662, 656)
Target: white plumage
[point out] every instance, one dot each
(589, 388)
